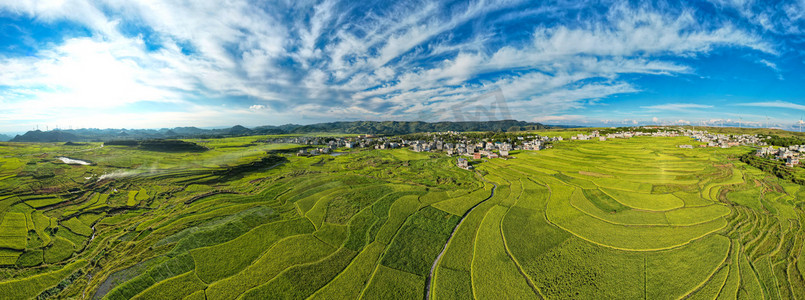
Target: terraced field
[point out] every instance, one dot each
(635, 218)
(627, 219)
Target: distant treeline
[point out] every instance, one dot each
(159, 145)
(784, 141)
(490, 136)
(356, 127)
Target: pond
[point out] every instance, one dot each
(71, 161)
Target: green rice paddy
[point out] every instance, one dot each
(620, 219)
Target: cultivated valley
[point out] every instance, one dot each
(637, 218)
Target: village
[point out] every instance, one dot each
(458, 144)
(790, 155)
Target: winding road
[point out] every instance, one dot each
(429, 279)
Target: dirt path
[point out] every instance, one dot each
(429, 279)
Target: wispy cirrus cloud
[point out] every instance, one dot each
(775, 104)
(330, 60)
(680, 107)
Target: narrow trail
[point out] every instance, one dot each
(429, 279)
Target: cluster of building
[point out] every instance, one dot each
(463, 163)
(362, 141)
(621, 135)
(790, 155)
(723, 140)
(314, 151)
(480, 149)
(461, 145)
(476, 150)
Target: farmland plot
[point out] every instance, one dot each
(637, 218)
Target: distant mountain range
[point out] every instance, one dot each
(356, 127)
(4, 138)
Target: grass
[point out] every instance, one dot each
(281, 256)
(10, 257)
(389, 283)
(32, 286)
(419, 241)
(622, 236)
(452, 284)
(132, 198)
(650, 202)
(713, 286)
(675, 273)
(733, 281)
(13, 231)
(221, 230)
(166, 269)
(351, 282)
(332, 234)
(76, 226)
(216, 262)
(39, 203)
(527, 232)
(637, 218)
(301, 281)
(615, 274)
(60, 250)
(494, 274)
(459, 205)
(176, 287)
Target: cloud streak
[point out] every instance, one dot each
(676, 107)
(331, 60)
(775, 104)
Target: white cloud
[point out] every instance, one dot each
(769, 64)
(775, 104)
(88, 72)
(772, 66)
(317, 59)
(560, 119)
(677, 107)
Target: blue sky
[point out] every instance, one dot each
(152, 64)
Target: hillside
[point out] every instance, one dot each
(636, 218)
(356, 127)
